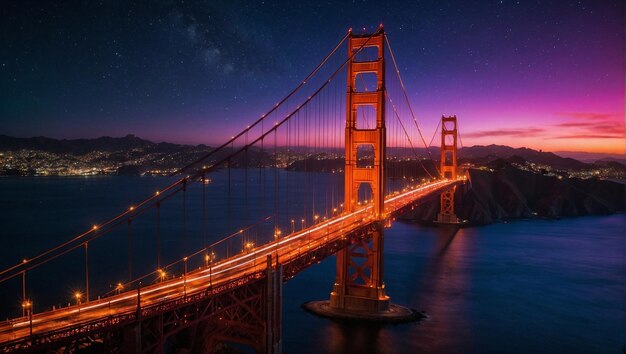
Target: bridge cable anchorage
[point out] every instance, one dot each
(406, 96)
(262, 118)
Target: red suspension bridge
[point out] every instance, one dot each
(316, 175)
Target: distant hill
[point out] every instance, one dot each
(478, 155)
(592, 156)
(609, 163)
(506, 192)
(83, 146)
(482, 155)
(608, 160)
(485, 154)
(128, 155)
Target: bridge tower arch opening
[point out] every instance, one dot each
(448, 168)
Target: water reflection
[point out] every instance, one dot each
(347, 337)
(526, 287)
(443, 283)
(438, 287)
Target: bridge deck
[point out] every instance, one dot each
(287, 248)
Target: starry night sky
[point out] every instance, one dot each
(542, 74)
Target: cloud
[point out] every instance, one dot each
(590, 136)
(589, 125)
(575, 124)
(594, 126)
(516, 133)
(588, 115)
(602, 127)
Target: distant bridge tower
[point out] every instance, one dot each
(448, 169)
(359, 282)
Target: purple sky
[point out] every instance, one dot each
(542, 74)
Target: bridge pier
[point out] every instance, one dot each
(368, 294)
(359, 292)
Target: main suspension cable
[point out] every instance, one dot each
(262, 118)
(406, 96)
(281, 122)
(434, 133)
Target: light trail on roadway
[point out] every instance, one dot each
(284, 249)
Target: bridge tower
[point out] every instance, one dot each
(359, 281)
(448, 169)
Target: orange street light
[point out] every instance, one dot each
(162, 274)
(28, 306)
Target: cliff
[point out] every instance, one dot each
(510, 193)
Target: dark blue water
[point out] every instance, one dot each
(529, 286)
(522, 287)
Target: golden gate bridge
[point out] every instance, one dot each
(279, 222)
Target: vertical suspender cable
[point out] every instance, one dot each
(158, 233)
(130, 251)
(185, 246)
(406, 96)
(204, 214)
(86, 272)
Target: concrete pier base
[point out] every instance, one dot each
(395, 313)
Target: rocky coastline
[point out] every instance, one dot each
(508, 193)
